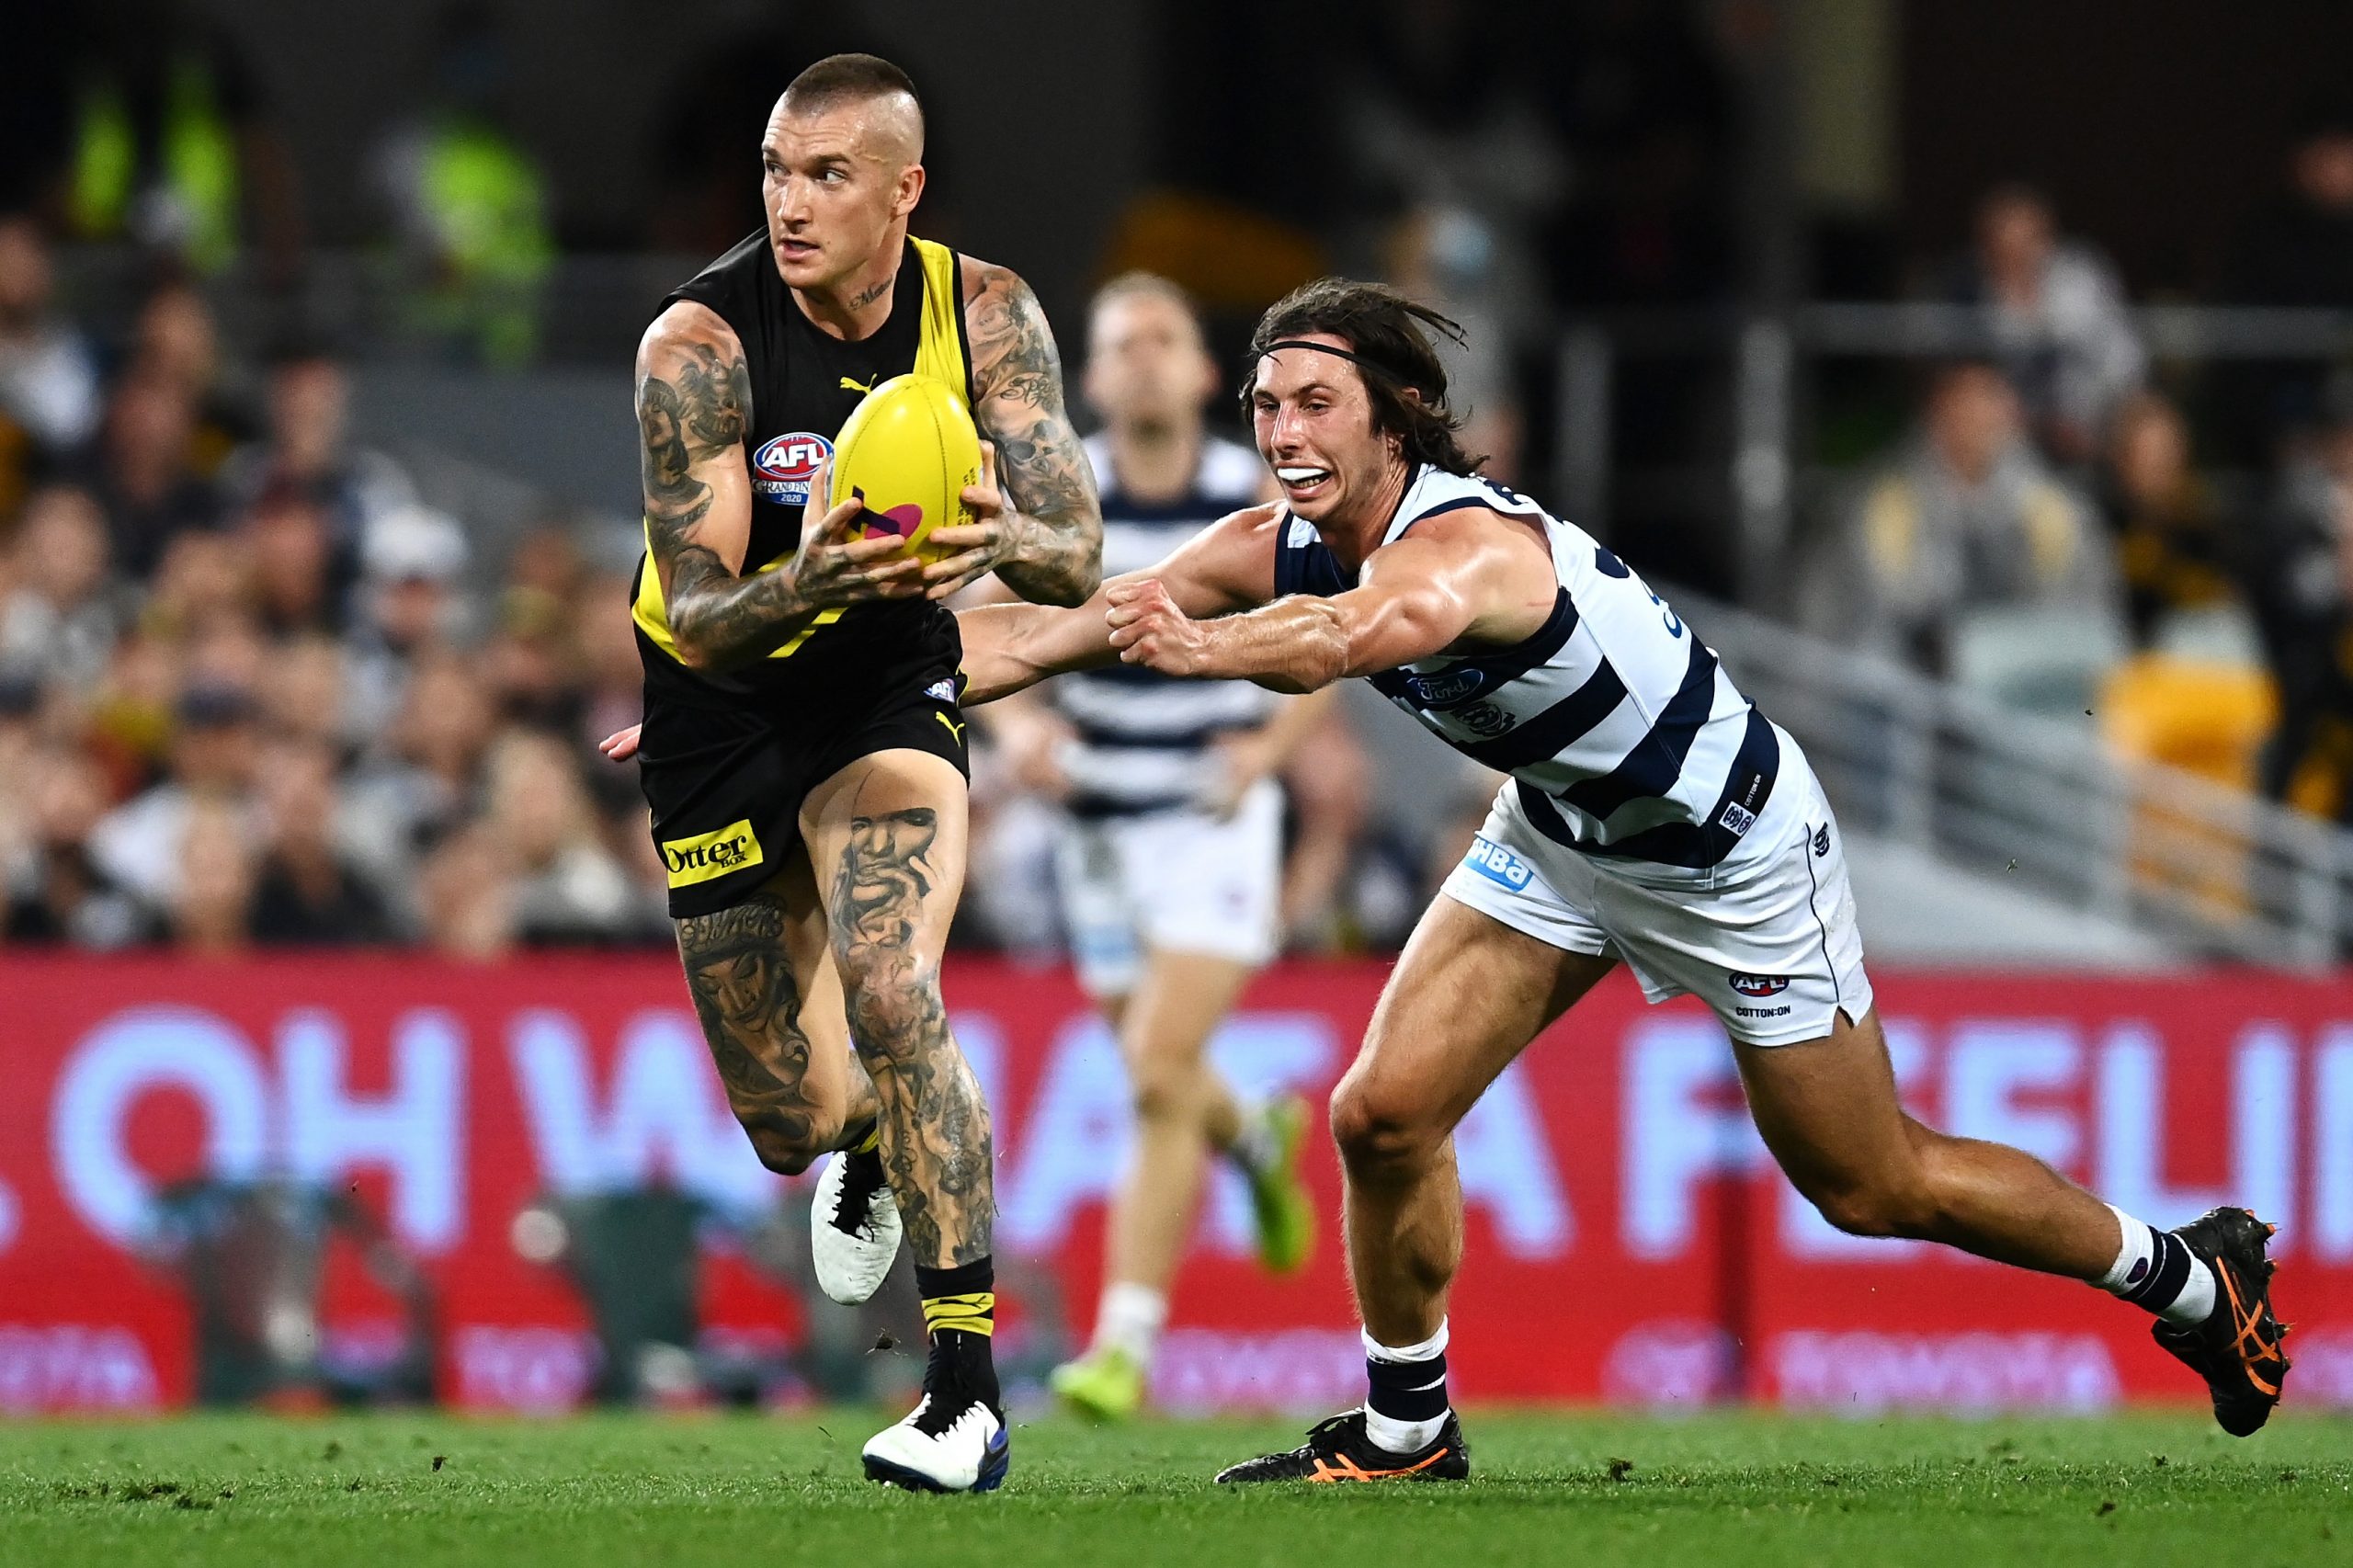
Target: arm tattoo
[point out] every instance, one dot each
(935, 1142)
(750, 1009)
(698, 412)
(1047, 483)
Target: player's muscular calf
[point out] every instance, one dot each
(792, 1095)
(895, 847)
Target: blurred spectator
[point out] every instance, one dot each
(142, 844)
(406, 607)
(211, 899)
(49, 379)
(295, 586)
(143, 476)
(2062, 330)
(309, 449)
(175, 337)
(416, 795)
(59, 620)
(569, 889)
(532, 662)
(1438, 123)
(1969, 517)
(52, 890)
(2303, 589)
(2297, 252)
(307, 894)
(2172, 540)
(1444, 256)
(301, 693)
(175, 148)
(468, 201)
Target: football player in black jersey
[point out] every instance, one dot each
(803, 750)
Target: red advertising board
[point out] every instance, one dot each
(1629, 1241)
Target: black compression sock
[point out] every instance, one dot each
(959, 1314)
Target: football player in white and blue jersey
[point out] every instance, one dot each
(1652, 817)
(1170, 860)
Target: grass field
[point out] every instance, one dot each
(1579, 1488)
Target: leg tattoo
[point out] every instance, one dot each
(936, 1128)
(744, 995)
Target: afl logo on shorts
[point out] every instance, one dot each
(783, 467)
(1760, 984)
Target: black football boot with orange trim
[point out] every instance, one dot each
(1340, 1449)
(2236, 1349)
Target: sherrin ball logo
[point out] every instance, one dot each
(907, 452)
(784, 466)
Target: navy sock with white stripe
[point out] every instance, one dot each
(2154, 1271)
(1406, 1404)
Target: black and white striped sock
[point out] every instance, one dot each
(2156, 1272)
(1406, 1404)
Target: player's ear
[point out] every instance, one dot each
(911, 181)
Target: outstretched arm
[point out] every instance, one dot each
(1040, 528)
(694, 403)
(1452, 580)
(1227, 566)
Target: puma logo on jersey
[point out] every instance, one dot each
(954, 728)
(848, 385)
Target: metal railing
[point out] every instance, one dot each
(2010, 793)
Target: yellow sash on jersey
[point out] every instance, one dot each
(940, 353)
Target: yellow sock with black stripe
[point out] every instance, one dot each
(959, 1314)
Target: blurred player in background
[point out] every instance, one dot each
(1653, 816)
(1170, 866)
(801, 748)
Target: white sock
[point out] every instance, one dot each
(1130, 1318)
(2153, 1271)
(1402, 1436)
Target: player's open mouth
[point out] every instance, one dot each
(1302, 482)
(796, 249)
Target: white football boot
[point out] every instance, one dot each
(853, 1233)
(970, 1453)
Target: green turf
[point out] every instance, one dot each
(685, 1491)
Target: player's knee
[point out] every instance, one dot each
(894, 1007)
(788, 1146)
(1377, 1128)
(1162, 1090)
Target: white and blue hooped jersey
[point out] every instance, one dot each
(1143, 737)
(1624, 734)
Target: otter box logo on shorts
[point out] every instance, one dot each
(1497, 864)
(699, 860)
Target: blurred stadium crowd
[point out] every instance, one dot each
(254, 691)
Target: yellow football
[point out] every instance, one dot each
(907, 452)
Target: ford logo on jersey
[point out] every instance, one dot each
(1452, 686)
(1497, 864)
(783, 467)
(1760, 984)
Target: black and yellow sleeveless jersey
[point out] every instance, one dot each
(804, 385)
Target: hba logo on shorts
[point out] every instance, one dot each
(1497, 864)
(731, 848)
(1760, 984)
(783, 467)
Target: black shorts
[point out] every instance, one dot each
(726, 783)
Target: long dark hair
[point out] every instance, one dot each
(1386, 337)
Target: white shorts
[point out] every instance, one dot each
(1176, 881)
(1771, 946)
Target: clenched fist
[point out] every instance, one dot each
(1148, 629)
